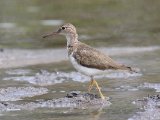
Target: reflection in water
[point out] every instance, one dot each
(96, 114)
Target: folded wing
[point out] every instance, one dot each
(92, 58)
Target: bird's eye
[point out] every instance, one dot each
(63, 28)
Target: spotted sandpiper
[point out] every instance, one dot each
(86, 59)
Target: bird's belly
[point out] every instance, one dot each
(84, 70)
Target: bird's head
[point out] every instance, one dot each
(66, 29)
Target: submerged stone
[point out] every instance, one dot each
(74, 99)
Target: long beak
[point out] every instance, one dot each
(51, 34)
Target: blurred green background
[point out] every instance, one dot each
(98, 22)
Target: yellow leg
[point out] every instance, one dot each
(99, 89)
(90, 85)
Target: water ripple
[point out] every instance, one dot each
(155, 86)
(45, 78)
(18, 72)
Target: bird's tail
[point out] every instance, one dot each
(130, 69)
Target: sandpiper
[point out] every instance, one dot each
(86, 59)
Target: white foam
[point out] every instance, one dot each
(45, 78)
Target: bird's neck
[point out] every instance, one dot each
(72, 39)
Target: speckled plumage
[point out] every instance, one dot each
(92, 58)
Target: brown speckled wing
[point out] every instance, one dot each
(92, 58)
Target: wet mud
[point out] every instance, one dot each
(74, 99)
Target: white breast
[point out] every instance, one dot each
(84, 70)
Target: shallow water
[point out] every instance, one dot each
(35, 71)
(56, 80)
